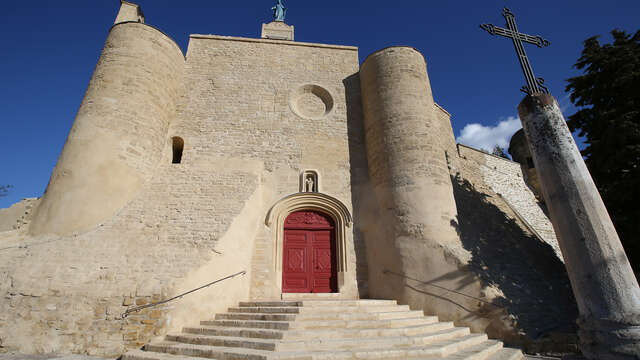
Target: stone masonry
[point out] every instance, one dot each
(505, 178)
(181, 168)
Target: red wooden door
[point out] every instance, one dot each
(308, 254)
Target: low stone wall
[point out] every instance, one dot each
(67, 293)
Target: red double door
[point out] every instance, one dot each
(309, 254)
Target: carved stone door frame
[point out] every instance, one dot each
(343, 233)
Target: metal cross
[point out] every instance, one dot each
(534, 85)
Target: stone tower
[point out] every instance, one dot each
(408, 171)
(519, 150)
(120, 129)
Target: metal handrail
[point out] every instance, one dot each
(442, 288)
(522, 219)
(142, 307)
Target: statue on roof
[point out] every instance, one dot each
(279, 11)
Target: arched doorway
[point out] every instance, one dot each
(309, 253)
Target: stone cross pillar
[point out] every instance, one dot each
(602, 280)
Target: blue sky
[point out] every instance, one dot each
(50, 48)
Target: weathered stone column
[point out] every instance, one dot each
(602, 280)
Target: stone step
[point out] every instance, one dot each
(256, 316)
(312, 303)
(449, 346)
(319, 344)
(274, 303)
(311, 316)
(365, 332)
(205, 351)
(477, 352)
(266, 309)
(316, 296)
(235, 331)
(150, 355)
(439, 348)
(321, 324)
(507, 354)
(317, 309)
(326, 329)
(356, 344)
(358, 324)
(273, 325)
(260, 333)
(224, 341)
(435, 350)
(487, 350)
(321, 316)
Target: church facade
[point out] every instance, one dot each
(290, 161)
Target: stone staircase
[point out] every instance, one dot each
(324, 329)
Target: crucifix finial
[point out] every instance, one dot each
(534, 85)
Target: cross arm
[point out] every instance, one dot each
(496, 30)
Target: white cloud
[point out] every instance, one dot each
(487, 137)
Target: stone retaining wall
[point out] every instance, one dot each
(505, 178)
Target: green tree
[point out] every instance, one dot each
(499, 151)
(608, 97)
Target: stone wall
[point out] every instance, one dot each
(152, 249)
(18, 215)
(506, 179)
(526, 273)
(253, 115)
(280, 103)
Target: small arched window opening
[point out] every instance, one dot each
(178, 146)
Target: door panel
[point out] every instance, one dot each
(322, 261)
(309, 254)
(296, 269)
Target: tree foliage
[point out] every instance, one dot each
(499, 151)
(608, 94)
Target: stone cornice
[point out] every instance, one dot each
(270, 41)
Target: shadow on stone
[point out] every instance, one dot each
(358, 170)
(536, 288)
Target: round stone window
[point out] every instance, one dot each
(311, 101)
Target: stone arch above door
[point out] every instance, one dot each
(326, 204)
